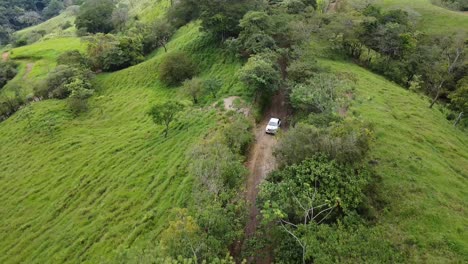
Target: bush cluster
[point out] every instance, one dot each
(175, 68)
(8, 70)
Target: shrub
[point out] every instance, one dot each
(57, 84)
(9, 105)
(95, 16)
(238, 134)
(80, 91)
(321, 93)
(176, 68)
(72, 57)
(160, 32)
(299, 71)
(7, 72)
(193, 88)
(347, 142)
(316, 181)
(110, 53)
(66, 25)
(260, 75)
(183, 12)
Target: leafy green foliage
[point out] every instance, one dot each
(53, 8)
(299, 71)
(175, 68)
(322, 93)
(7, 72)
(217, 220)
(73, 57)
(212, 86)
(459, 5)
(460, 96)
(347, 241)
(182, 12)
(314, 183)
(160, 32)
(165, 114)
(18, 14)
(221, 18)
(193, 88)
(59, 82)
(110, 53)
(347, 142)
(9, 105)
(80, 91)
(260, 75)
(96, 16)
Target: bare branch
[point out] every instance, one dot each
(324, 210)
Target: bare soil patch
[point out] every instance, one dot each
(29, 68)
(232, 104)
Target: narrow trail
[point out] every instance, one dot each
(29, 68)
(260, 163)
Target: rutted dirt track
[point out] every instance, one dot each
(261, 162)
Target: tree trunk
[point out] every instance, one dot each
(459, 118)
(434, 100)
(437, 94)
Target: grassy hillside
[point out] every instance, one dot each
(434, 19)
(37, 60)
(53, 26)
(422, 159)
(80, 189)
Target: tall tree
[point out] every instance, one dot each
(96, 16)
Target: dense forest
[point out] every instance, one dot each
(182, 171)
(19, 14)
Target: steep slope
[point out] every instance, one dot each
(433, 19)
(82, 189)
(36, 60)
(422, 160)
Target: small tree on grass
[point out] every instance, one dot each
(212, 86)
(162, 32)
(165, 113)
(80, 91)
(194, 88)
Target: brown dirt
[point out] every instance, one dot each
(229, 105)
(260, 163)
(29, 68)
(5, 56)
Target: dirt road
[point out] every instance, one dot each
(261, 162)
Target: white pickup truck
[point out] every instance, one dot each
(273, 126)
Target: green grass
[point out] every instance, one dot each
(434, 19)
(147, 10)
(82, 189)
(53, 26)
(422, 159)
(41, 58)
